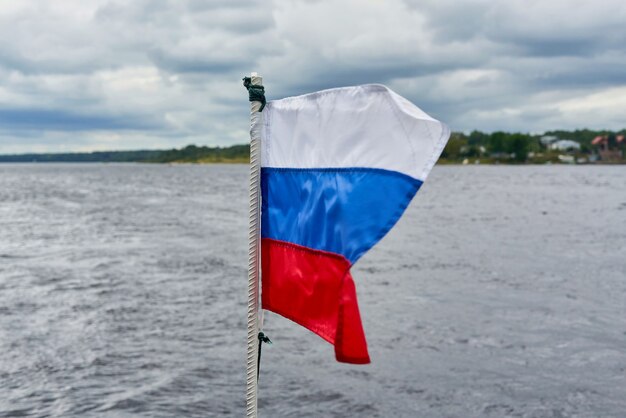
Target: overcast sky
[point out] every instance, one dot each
(79, 75)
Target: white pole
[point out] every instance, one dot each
(254, 232)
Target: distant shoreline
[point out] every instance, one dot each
(580, 147)
(189, 154)
(238, 162)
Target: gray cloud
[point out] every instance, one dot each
(59, 120)
(156, 73)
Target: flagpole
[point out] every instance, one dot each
(256, 118)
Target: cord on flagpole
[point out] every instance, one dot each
(254, 84)
(262, 339)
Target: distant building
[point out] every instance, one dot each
(548, 139)
(609, 151)
(564, 145)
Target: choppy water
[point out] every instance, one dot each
(502, 292)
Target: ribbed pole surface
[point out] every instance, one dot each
(254, 231)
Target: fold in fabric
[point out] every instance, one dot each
(314, 289)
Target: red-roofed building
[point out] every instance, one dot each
(610, 149)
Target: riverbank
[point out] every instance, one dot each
(189, 154)
(458, 151)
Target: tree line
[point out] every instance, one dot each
(189, 154)
(486, 147)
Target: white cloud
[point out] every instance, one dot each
(104, 74)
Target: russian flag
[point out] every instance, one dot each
(338, 169)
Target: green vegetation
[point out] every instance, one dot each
(86, 157)
(194, 154)
(189, 154)
(517, 148)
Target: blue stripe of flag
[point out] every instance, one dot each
(340, 210)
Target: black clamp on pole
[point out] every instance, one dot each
(255, 93)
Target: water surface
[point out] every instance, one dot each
(502, 292)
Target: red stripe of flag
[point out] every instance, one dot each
(314, 289)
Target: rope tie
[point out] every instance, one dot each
(262, 339)
(255, 93)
